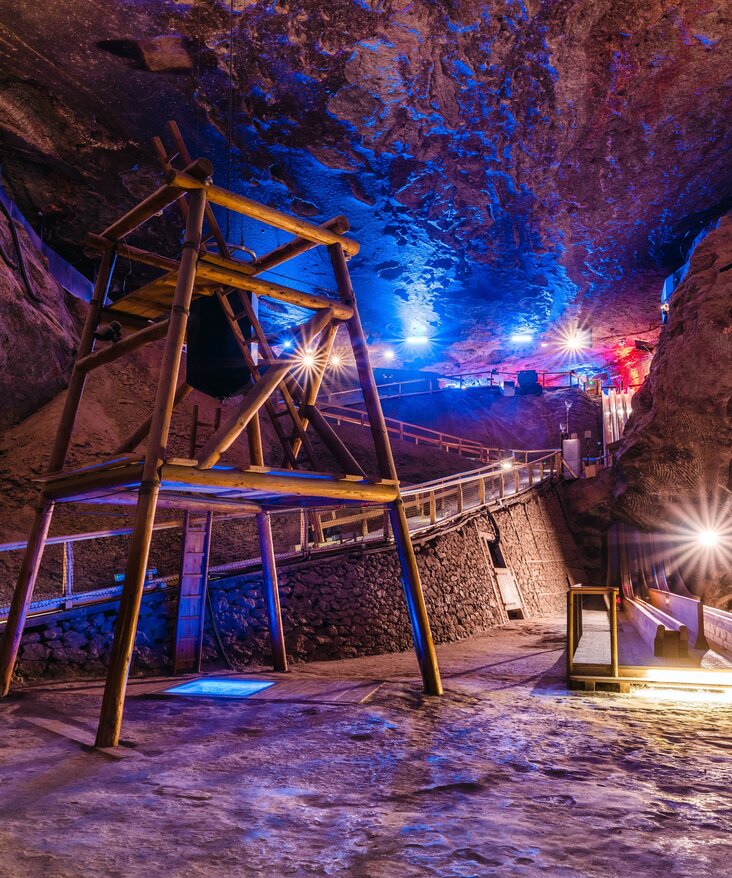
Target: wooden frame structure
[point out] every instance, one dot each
(155, 480)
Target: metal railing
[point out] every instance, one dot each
(462, 381)
(314, 531)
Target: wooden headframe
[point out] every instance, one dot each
(154, 478)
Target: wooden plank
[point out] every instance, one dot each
(80, 736)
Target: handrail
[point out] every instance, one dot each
(574, 624)
(426, 503)
(408, 432)
(435, 384)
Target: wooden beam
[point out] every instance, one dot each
(227, 272)
(130, 343)
(271, 592)
(262, 212)
(232, 428)
(315, 378)
(423, 643)
(182, 148)
(274, 482)
(333, 441)
(110, 720)
(295, 247)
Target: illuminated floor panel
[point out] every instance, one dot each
(220, 687)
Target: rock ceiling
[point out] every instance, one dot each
(507, 166)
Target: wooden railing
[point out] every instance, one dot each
(414, 433)
(323, 530)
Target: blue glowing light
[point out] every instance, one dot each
(417, 339)
(522, 337)
(220, 687)
(287, 344)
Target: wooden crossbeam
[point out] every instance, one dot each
(128, 344)
(270, 215)
(320, 485)
(236, 423)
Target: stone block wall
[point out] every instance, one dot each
(339, 607)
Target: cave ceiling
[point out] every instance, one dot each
(507, 166)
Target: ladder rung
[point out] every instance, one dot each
(240, 316)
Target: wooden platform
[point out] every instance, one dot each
(701, 669)
(183, 485)
(286, 687)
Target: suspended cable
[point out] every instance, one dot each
(20, 265)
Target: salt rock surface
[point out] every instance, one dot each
(37, 338)
(678, 442)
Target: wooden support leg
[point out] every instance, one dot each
(23, 593)
(422, 634)
(110, 721)
(37, 540)
(271, 592)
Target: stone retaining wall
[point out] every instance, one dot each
(343, 606)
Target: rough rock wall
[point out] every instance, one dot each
(501, 162)
(675, 466)
(37, 338)
(678, 443)
(503, 422)
(346, 606)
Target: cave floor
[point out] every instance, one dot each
(507, 775)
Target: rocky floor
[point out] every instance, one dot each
(507, 775)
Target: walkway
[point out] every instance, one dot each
(507, 775)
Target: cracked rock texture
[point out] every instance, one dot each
(37, 338)
(677, 447)
(505, 165)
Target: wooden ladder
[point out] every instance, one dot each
(193, 586)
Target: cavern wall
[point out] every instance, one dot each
(678, 442)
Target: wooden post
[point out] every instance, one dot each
(44, 510)
(110, 720)
(614, 633)
(68, 573)
(421, 632)
(271, 592)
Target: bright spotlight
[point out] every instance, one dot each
(708, 538)
(287, 344)
(506, 465)
(574, 340)
(308, 360)
(417, 339)
(388, 355)
(336, 360)
(522, 337)
(699, 536)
